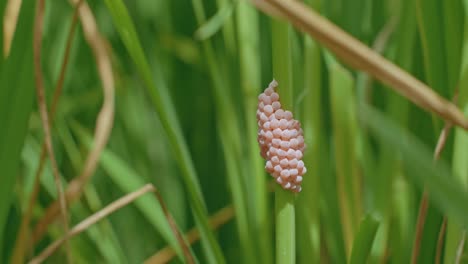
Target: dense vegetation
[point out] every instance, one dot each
(165, 92)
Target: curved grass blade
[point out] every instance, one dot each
(215, 23)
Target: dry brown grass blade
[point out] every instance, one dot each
(11, 17)
(440, 241)
(37, 45)
(166, 254)
(20, 244)
(361, 57)
(185, 248)
(104, 120)
(104, 212)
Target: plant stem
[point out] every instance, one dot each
(284, 201)
(248, 45)
(285, 226)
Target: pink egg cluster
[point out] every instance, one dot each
(281, 140)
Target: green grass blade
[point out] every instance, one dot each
(453, 32)
(166, 112)
(460, 150)
(215, 23)
(250, 66)
(364, 239)
(16, 98)
(342, 103)
(444, 190)
(308, 210)
(430, 21)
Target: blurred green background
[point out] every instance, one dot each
(187, 75)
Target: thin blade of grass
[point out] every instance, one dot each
(308, 210)
(250, 71)
(216, 22)
(216, 220)
(430, 16)
(16, 101)
(364, 239)
(460, 150)
(342, 103)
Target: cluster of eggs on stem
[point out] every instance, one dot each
(281, 140)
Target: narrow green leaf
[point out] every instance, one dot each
(364, 239)
(16, 98)
(430, 20)
(249, 59)
(342, 100)
(460, 149)
(308, 210)
(443, 189)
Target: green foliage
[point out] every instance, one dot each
(16, 97)
(187, 77)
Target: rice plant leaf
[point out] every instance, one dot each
(460, 149)
(166, 112)
(308, 213)
(16, 98)
(248, 42)
(453, 32)
(364, 239)
(429, 13)
(444, 190)
(344, 118)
